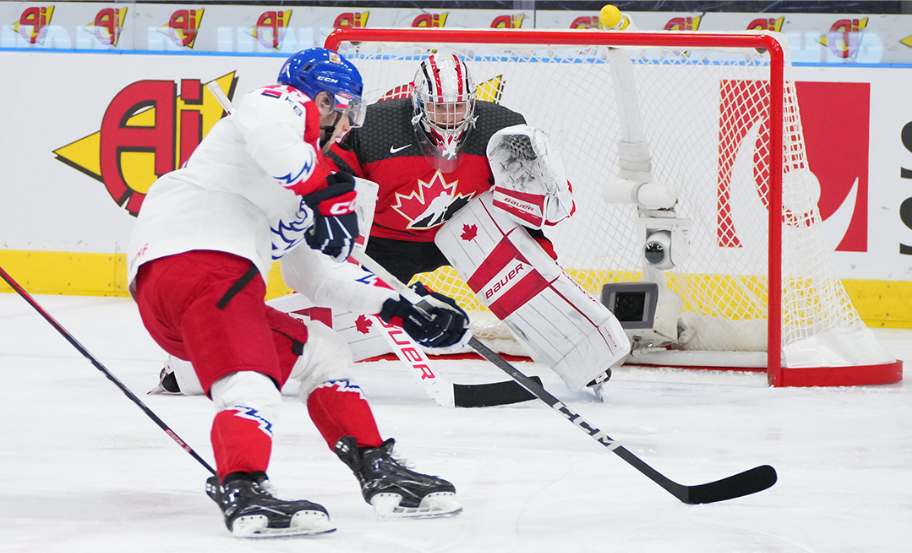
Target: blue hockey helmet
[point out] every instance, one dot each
(317, 70)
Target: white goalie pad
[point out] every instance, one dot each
(517, 280)
(530, 183)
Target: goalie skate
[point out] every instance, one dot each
(252, 512)
(393, 490)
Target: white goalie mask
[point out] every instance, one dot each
(443, 104)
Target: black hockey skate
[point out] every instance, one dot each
(167, 383)
(393, 490)
(598, 384)
(252, 512)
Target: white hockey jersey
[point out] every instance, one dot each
(238, 192)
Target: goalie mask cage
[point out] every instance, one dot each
(718, 115)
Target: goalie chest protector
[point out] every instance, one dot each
(517, 280)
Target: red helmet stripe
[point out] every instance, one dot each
(459, 77)
(436, 71)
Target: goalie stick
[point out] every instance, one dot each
(75, 343)
(437, 388)
(744, 483)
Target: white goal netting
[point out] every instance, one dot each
(704, 114)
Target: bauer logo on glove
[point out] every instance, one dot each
(530, 184)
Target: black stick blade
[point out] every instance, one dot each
(489, 395)
(750, 481)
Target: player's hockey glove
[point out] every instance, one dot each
(335, 225)
(437, 322)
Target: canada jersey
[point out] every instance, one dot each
(414, 198)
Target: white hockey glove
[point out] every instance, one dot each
(530, 184)
(440, 323)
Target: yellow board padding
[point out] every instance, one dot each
(880, 303)
(85, 274)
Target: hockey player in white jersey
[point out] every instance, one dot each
(508, 262)
(257, 189)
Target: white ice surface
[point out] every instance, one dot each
(84, 470)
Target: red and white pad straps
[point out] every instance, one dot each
(549, 313)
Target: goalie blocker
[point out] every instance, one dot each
(578, 337)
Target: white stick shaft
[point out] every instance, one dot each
(220, 96)
(435, 386)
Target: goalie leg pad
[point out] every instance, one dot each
(577, 336)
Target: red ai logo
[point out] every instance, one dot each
(766, 24)
(430, 20)
(844, 37)
(585, 22)
(683, 24)
(107, 25)
(148, 129)
(183, 27)
(508, 21)
(271, 28)
(33, 23)
(355, 20)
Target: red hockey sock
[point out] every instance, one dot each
(338, 409)
(241, 441)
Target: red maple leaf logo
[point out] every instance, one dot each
(363, 324)
(469, 232)
(432, 204)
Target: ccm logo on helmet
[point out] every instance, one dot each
(327, 79)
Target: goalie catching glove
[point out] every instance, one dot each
(530, 184)
(437, 322)
(335, 225)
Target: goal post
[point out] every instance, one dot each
(714, 116)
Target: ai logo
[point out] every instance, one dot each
(845, 36)
(33, 23)
(107, 25)
(430, 20)
(147, 131)
(183, 27)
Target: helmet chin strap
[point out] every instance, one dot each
(328, 130)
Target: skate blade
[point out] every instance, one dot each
(435, 505)
(303, 523)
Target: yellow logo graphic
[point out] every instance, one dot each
(107, 25)
(271, 28)
(33, 23)
(508, 21)
(183, 27)
(844, 37)
(147, 131)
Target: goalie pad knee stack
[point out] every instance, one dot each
(577, 336)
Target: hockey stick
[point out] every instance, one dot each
(161, 424)
(438, 388)
(745, 483)
(435, 386)
(461, 395)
